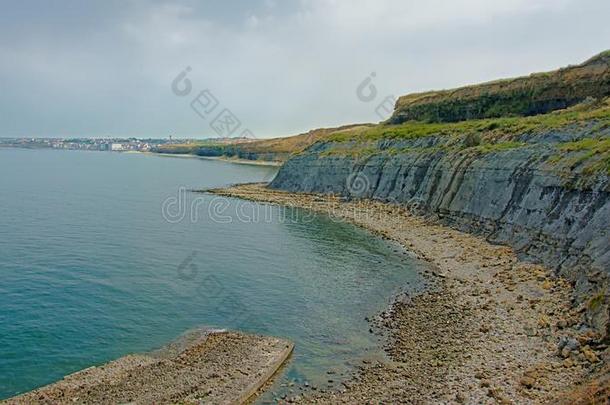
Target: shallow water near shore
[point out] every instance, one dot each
(105, 254)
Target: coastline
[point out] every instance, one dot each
(215, 366)
(220, 158)
(492, 330)
(237, 161)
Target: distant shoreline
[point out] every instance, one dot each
(238, 161)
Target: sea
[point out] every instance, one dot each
(104, 254)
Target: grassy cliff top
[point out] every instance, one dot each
(275, 146)
(298, 143)
(538, 93)
(597, 113)
(492, 115)
(589, 155)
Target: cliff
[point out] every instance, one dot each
(540, 184)
(275, 149)
(525, 96)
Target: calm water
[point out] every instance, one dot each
(92, 267)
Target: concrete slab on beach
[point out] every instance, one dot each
(217, 367)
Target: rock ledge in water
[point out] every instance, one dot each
(217, 367)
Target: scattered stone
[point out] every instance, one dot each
(543, 322)
(185, 371)
(589, 354)
(565, 352)
(567, 345)
(530, 331)
(527, 382)
(439, 344)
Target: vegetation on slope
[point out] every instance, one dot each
(276, 149)
(591, 155)
(488, 118)
(584, 114)
(525, 96)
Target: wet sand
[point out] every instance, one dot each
(492, 330)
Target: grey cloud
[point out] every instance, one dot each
(98, 68)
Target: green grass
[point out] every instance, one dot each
(590, 145)
(494, 127)
(498, 147)
(592, 154)
(596, 301)
(365, 150)
(358, 152)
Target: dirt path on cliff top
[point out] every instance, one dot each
(493, 330)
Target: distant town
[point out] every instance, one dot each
(110, 144)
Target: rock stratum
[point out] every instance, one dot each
(490, 329)
(536, 94)
(523, 162)
(216, 367)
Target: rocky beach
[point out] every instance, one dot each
(493, 329)
(215, 367)
(503, 188)
(305, 202)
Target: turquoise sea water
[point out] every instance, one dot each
(102, 254)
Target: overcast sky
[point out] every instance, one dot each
(97, 68)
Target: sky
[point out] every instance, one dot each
(264, 68)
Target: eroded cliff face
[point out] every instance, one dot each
(535, 176)
(518, 195)
(535, 94)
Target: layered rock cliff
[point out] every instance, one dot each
(535, 94)
(540, 184)
(516, 194)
